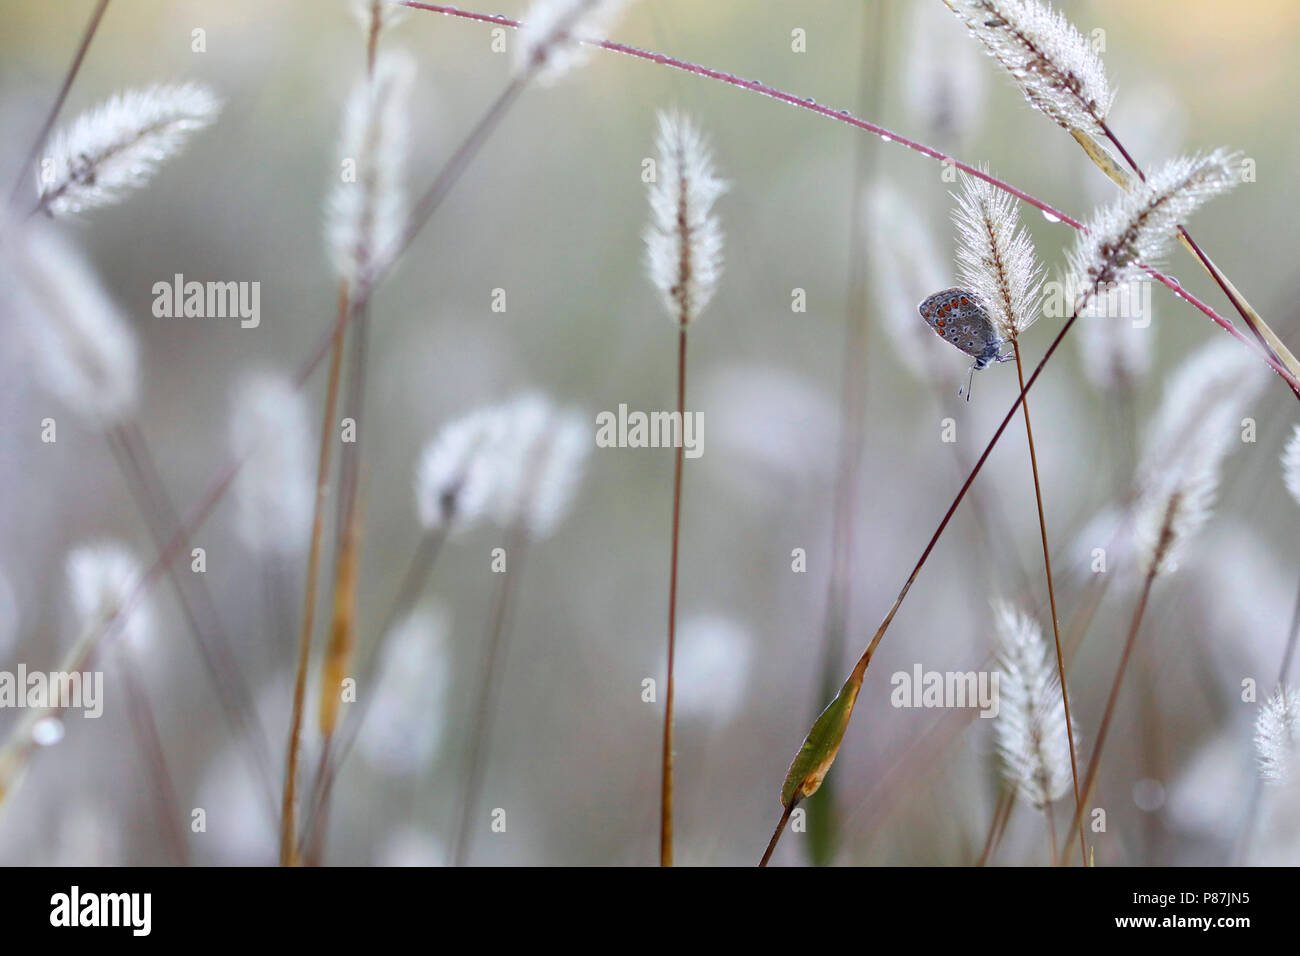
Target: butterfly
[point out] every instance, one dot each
(957, 317)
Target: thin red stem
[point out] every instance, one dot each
(1091, 779)
(666, 792)
(776, 834)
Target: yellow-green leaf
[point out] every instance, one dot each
(815, 757)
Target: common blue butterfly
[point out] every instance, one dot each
(957, 317)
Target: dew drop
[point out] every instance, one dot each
(1049, 217)
(886, 139)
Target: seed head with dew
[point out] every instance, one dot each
(84, 351)
(270, 431)
(1030, 725)
(367, 210)
(684, 238)
(455, 476)
(102, 580)
(1184, 448)
(996, 258)
(118, 146)
(1053, 63)
(1136, 229)
(1291, 465)
(1277, 736)
(538, 464)
(550, 35)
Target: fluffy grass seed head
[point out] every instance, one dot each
(1030, 726)
(454, 478)
(684, 238)
(1191, 433)
(1277, 735)
(520, 462)
(1053, 63)
(119, 145)
(102, 578)
(1136, 229)
(996, 258)
(549, 37)
(83, 350)
(1170, 512)
(275, 492)
(539, 463)
(367, 210)
(366, 213)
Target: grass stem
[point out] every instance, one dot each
(167, 805)
(288, 856)
(666, 778)
(196, 602)
(776, 834)
(1108, 714)
(1051, 596)
(333, 758)
(485, 711)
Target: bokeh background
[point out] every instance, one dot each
(553, 212)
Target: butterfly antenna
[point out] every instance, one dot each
(970, 379)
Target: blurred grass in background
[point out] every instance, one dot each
(552, 212)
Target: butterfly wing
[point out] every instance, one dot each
(956, 316)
